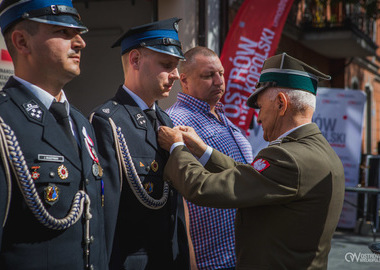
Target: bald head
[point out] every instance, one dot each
(202, 75)
(190, 55)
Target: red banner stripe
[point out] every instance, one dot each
(5, 56)
(253, 37)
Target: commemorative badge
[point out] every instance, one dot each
(260, 164)
(51, 194)
(148, 187)
(97, 170)
(63, 173)
(154, 166)
(35, 174)
(33, 110)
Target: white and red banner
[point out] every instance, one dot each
(252, 38)
(6, 64)
(339, 115)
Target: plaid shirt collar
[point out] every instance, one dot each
(198, 104)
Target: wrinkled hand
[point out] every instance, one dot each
(167, 136)
(193, 142)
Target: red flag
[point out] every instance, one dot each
(253, 37)
(5, 56)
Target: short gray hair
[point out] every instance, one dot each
(299, 99)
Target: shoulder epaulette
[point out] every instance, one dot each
(107, 109)
(277, 141)
(3, 96)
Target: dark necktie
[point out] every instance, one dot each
(58, 109)
(152, 116)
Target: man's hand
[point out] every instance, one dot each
(167, 136)
(192, 141)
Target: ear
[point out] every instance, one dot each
(20, 41)
(135, 59)
(282, 103)
(183, 80)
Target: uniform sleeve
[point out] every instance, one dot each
(238, 185)
(111, 176)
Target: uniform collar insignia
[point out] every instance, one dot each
(33, 110)
(140, 119)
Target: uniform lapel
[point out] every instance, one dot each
(38, 114)
(138, 117)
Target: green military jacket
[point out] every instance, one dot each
(289, 199)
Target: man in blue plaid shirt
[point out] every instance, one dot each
(202, 80)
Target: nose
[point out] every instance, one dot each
(78, 42)
(174, 75)
(218, 79)
(258, 118)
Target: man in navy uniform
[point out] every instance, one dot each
(150, 230)
(51, 185)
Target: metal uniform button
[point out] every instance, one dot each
(87, 182)
(172, 218)
(92, 239)
(92, 267)
(52, 174)
(114, 103)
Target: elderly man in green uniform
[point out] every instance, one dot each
(290, 198)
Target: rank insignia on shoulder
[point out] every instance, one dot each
(140, 119)
(33, 110)
(277, 141)
(260, 164)
(51, 194)
(35, 174)
(63, 172)
(154, 166)
(106, 110)
(148, 187)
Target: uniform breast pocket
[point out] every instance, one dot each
(56, 183)
(150, 173)
(49, 172)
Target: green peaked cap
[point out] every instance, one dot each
(282, 70)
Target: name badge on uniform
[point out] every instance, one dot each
(51, 158)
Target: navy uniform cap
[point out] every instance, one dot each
(282, 70)
(56, 12)
(160, 36)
